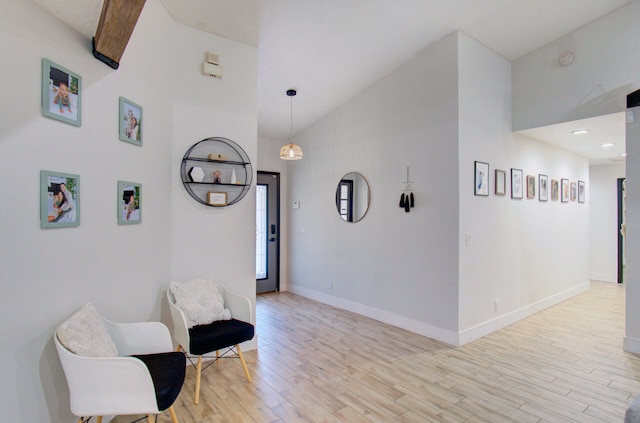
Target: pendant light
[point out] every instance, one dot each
(291, 151)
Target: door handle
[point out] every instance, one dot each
(272, 240)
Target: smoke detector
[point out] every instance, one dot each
(566, 58)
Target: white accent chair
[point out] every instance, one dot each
(145, 377)
(223, 335)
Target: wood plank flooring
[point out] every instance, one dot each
(316, 363)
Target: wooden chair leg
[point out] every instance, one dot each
(244, 364)
(198, 372)
(179, 348)
(174, 418)
(80, 420)
(150, 418)
(217, 357)
(99, 419)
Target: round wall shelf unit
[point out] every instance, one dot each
(216, 172)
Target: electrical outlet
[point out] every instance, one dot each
(468, 238)
(496, 305)
(330, 285)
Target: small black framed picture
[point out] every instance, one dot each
(481, 178)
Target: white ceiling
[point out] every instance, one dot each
(607, 129)
(330, 50)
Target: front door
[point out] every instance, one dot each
(268, 232)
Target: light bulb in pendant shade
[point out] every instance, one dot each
(580, 131)
(291, 151)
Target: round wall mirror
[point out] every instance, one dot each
(352, 197)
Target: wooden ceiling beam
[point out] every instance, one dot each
(117, 21)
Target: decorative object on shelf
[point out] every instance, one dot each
(130, 122)
(217, 176)
(543, 187)
(481, 178)
(217, 171)
(501, 182)
(217, 156)
(59, 199)
(217, 198)
(407, 201)
(61, 93)
(129, 204)
(291, 151)
(234, 178)
(516, 183)
(581, 192)
(196, 174)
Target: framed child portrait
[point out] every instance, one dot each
(61, 93)
(129, 205)
(564, 190)
(59, 199)
(581, 192)
(554, 190)
(130, 122)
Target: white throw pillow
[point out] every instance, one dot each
(200, 301)
(84, 334)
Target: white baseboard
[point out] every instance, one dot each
(603, 277)
(403, 322)
(507, 319)
(631, 345)
(439, 334)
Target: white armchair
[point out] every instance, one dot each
(144, 378)
(202, 339)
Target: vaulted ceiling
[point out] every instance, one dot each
(330, 50)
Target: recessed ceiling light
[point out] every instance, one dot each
(608, 145)
(580, 131)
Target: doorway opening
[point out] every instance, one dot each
(622, 229)
(267, 232)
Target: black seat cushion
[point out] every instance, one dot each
(167, 372)
(219, 334)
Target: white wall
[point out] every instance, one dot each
(510, 238)
(47, 274)
(603, 221)
(632, 332)
(605, 70)
(438, 113)
(395, 266)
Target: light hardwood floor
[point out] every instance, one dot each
(316, 363)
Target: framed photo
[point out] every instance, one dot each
(59, 199)
(501, 182)
(531, 186)
(543, 187)
(129, 204)
(574, 191)
(516, 183)
(481, 178)
(564, 193)
(61, 93)
(581, 193)
(130, 121)
(554, 190)
(217, 198)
